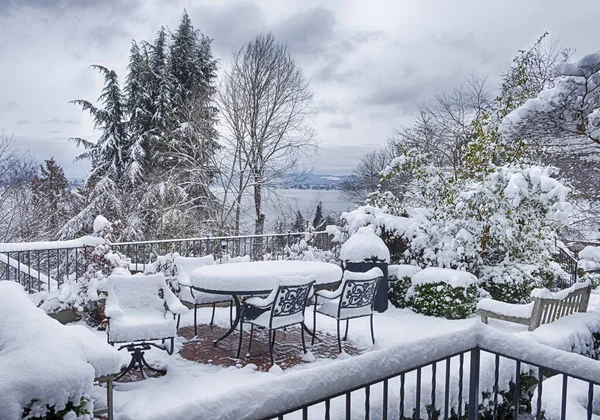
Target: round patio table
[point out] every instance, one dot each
(258, 278)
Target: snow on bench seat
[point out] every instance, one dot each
(507, 309)
(44, 360)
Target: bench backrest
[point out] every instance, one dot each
(547, 310)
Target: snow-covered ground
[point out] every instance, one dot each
(187, 381)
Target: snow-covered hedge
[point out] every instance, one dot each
(443, 293)
(45, 366)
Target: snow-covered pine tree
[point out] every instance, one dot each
(110, 156)
(51, 198)
(139, 107)
(318, 220)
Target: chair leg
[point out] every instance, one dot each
(302, 333)
(195, 320)
(241, 333)
(274, 337)
(346, 333)
(230, 313)
(338, 336)
(212, 318)
(178, 319)
(271, 347)
(251, 334)
(372, 333)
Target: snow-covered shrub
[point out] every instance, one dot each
(397, 291)
(444, 293)
(305, 250)
(81, 294)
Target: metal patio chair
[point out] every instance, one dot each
(283, 308)
(354, 298)
(138, 309)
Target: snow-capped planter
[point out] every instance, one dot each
(66, 316)
(363, 251)
(400, 279)
(443, 292)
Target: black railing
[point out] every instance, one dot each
(466, 375)
(48, 265)
(567, 262)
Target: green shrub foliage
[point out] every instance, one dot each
(442, 300)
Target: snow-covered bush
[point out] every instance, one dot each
(81, 294)
(305, 250)
(397, 291)
(443, 293)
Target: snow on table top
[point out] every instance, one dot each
(453, 278)
(260, 275)
(364, 244)
(41, 358)
(506, 309)
(547, 294)
(33, 246)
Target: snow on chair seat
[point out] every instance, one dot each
(43, 360)
(545, 308)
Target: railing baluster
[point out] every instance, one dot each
(367, 402)
(385, 399)
(461, 361)
(433, 380)
(495, 389)
(539, 399)
(563, 405)
(590, 403)
(474, 384)
(517, 400)
(348, 405)
(327, 409)
(304, 413)
(418, 396)
(402, 379)
(447, 391)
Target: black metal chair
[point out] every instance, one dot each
(354, 298)
(138, 309)
(283, 308)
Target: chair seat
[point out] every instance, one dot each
(278, 322)
(330, 308)
(202, 298)
(141, 326)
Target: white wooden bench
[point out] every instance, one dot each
(545, 308)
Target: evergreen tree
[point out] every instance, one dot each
(318, 220)
(50, 199)
(300, 223)
(138, 106)
(110, 155)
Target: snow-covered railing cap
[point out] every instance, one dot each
(38, 246)
(364, 246)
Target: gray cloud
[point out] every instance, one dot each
(342, 125)
(23, 122)
(69, 121)
(10, 106)
(7, 7)
(105, 35)
(308, 32)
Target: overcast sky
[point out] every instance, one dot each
(370, 62)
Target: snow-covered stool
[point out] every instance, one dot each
(140, 310)
(46, 365)
(545, 308)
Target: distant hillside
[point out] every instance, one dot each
(314, 182)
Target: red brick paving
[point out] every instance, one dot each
(287, 351)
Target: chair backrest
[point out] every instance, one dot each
(358, 293)
(138, 292)
(290, 300)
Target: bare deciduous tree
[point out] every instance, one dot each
(266, 108)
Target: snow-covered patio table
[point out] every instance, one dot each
(257, 278)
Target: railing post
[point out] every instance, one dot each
(474, 385)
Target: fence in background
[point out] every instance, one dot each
(46, 266)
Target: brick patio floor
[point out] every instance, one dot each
(287, 351)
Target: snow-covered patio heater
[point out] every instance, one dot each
(363, 251)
